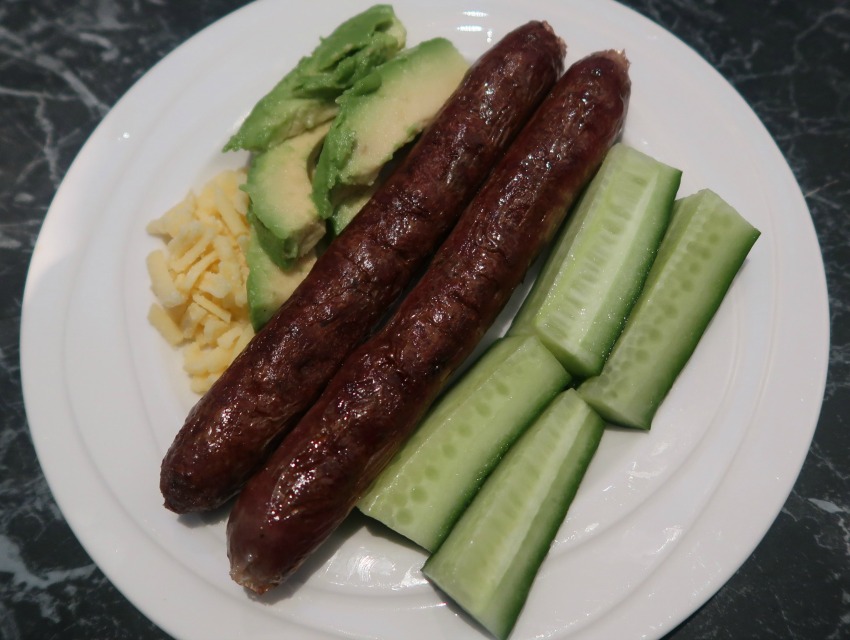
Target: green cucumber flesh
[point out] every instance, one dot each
(593, 275)
(489, 561)
(434, 476)
(701, 253)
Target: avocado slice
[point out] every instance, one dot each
(271, 244)
(281, 205)
(381, 113)
(268, 285)
(304, 98)
(350, 205)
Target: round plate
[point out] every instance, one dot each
(662, 519)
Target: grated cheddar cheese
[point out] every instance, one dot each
(199, 278)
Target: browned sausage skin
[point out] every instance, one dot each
(369, 408)
(232, 429)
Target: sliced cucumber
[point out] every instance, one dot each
(489, 560)
(430, 481)
(594, 274)
(702, 251)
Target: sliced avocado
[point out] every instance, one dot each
(350, 205)
(269, 286)
(292, 116)
(351, 52)
(304, 98)
(280, 190)
(350, 199)
(270, 243)
(382, 112)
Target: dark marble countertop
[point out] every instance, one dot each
(64, 64)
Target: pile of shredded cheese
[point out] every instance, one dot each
(199, 278)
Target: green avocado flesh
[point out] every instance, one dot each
(269, 285)
(305, 97)
(279, 186)
(350, 205)
(383, 112)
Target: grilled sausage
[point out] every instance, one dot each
(372, 404)
(236, 424)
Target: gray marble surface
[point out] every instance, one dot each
(63, 64)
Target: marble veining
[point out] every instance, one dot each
(63, 65)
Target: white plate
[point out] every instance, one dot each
(662, 519)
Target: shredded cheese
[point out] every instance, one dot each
(199, 276)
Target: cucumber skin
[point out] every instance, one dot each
(646, 391)
(584, 355)
(509, 594)
(485, 445)
(349, 207)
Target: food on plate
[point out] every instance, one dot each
(350, 204)
(591, 278)
(199, 278)
(315, 477)
(239, 421)
(285, 130)
(429, 482)
(269, 285)
(491, 557)
(381, 113)
(279, 189)
(487, 478)
(704, 247)
(285, 225)
(596, 269)
(305, 97)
